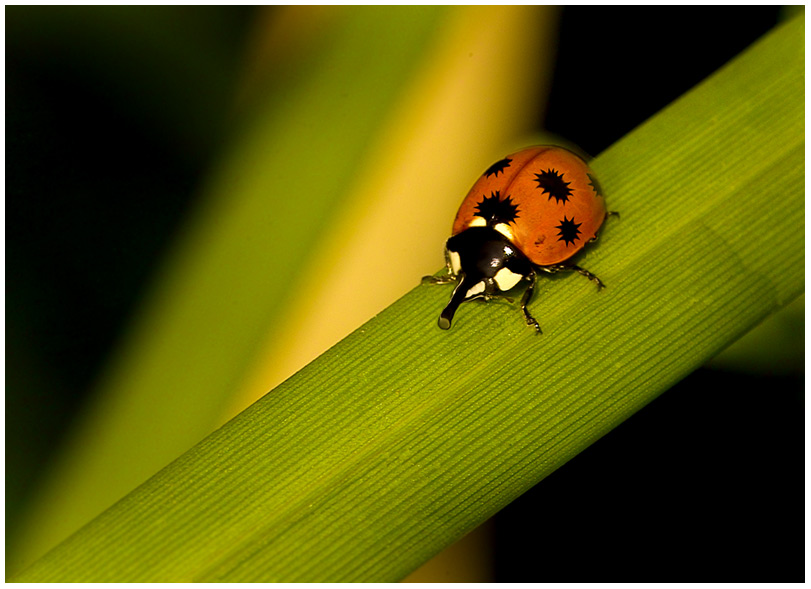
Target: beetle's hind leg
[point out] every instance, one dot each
(589, 275)
(574, 268)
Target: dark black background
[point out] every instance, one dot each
(674, 495)
(97, 182)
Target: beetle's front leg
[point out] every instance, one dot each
(445, 278)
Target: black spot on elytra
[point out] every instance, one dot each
(498, 167)
(495, 210)
(569, 231)
(551, 182)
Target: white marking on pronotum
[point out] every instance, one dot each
(506, 279)
(477, 222)
(505, 230)
(474, 290)
(456, 262)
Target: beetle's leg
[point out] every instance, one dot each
(526, 298)
(444, 279)
(589, 275)
(492, 297)
(607, 214)
(573, 268)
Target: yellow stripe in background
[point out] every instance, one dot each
(479, 92)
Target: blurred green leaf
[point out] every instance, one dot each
(227, 282)
(403, 437)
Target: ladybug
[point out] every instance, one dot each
(528, 213)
